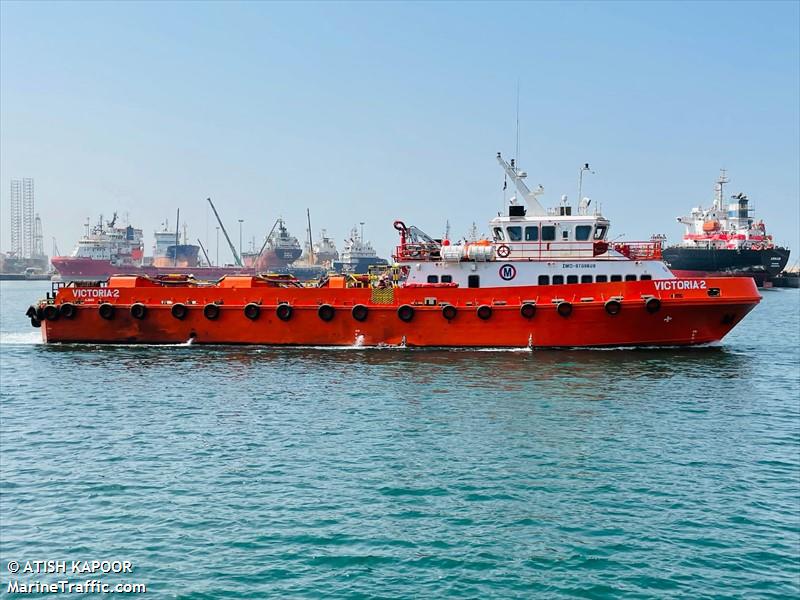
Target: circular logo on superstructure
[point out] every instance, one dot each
(508, 272)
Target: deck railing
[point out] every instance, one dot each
(533, 251)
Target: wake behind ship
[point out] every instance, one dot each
(726, 242)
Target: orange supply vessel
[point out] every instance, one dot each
(545, 278)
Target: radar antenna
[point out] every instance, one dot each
(719, 197)
(517, 177)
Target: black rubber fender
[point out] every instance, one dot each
(106, 311)
(67, 310)
(284, 311)
(564, 308)
(528, 310)
(449, 312)
(51, 312)
(360, 312)
(405, 313)
(211, 311)
(484, 312)
(653, 305)
(613, 307)
(179, 311)
(138, 311)
(252, 311)
(326, 312)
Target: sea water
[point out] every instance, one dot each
(255, 472)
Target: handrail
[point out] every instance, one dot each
(540, 250)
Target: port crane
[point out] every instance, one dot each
(236, 256)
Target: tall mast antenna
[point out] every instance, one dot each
(516, 152)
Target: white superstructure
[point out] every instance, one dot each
(531, 246)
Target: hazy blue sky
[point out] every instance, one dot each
(371, 112)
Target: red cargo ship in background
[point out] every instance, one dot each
(107, 250)
(548, 279)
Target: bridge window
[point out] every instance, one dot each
(474, 281)
(572, 279)
(447, 279)
(630, 277)
(645, 278)
(515, 234)
(531, 234)
(583, 232)
(498, 234)
(565, 234)
(558, 279)
(601, 279)
(544, 279)
(600, 232)
(548, 233)
(433, 279)
(616, 278)
(586, 279)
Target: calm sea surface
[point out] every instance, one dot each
(254, 472)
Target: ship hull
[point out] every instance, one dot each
(702, 262)
(690, 312)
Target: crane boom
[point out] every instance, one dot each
(227, 237)
(208, 262)
(530, 197)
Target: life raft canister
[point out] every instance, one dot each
(179, 311)
(67, 310)
(652, 305)
(360, 312)
(613, 307)
(449, 312)
(284, 311)
(528, 310)
(326, 312)
(106, 311)
(138, 311)
(211, 311)
(484, 312)
(252, 311)
(405, 313)
(564, 308)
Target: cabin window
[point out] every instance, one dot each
(474, 281)
(531, 234)
(645, 278)
(548, 233)
(433, 279)
(630, 277)
(447, 279)
(544, 279)
(565, 235)
(583, 232)
(558, 279)
(600, 232)
(498, 234)
(572, 279)
(601, 279)
(515, 234)
(586, 279)
(616, 278)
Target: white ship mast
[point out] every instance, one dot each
(517, 177)
(719, 196)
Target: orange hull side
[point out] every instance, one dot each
(687, 315)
